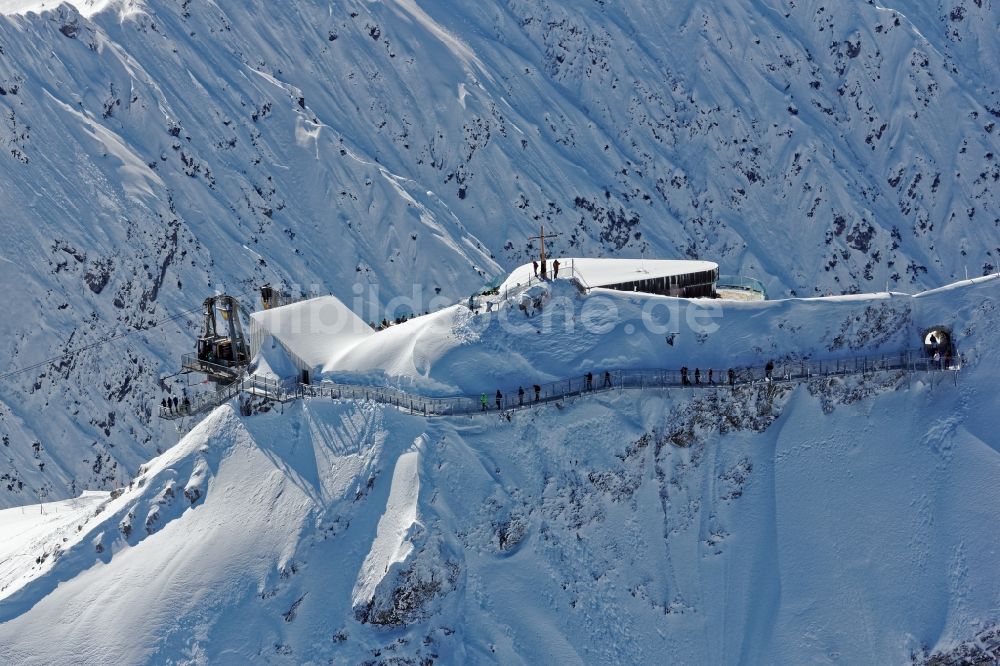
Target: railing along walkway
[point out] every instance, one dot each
(783, 372)
(568, 273)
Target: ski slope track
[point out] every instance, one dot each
(840, 520)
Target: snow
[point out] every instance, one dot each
(455, 46)
(314, 329)
(958, 286)
(157, 153)
(273, 362)
(29, 529)
(832, 529)
(392, 545)
(137, 179)
(86, 7)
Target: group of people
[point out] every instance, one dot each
(544, 272)
(484, 401)
(385, 323)
(730, 375)
(171, 405)
(588, 385)
(588, 381)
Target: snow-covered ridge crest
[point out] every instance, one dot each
(86, 8)
(408, 570)
(397, 527)
(160, 492)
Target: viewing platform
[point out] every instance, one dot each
(740, 288)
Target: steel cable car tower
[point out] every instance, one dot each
(222, 351)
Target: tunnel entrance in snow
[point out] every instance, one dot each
(937, 341)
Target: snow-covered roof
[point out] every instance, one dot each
(599, 272)
(314, 330)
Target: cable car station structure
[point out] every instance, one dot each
(222, 351)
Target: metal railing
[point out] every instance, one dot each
(191, 363)
(281, 299)
(741, 283)
(567, 272)
(206, 402)
(783, 372)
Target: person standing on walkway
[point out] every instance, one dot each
(684, 376)
(697, 375)
(163, 406)
(175, 404)
(555, 269)
(520, 396)
(732, 377)
(607, 379)
(710, 373)
(590, 381)
(768, 370)
(538, 392)
(483, 401)
(187, 405)
(499, 398)
(534, 264)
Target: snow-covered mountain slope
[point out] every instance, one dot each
(839, 521)
(157, 151)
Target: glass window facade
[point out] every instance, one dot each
(700, 284)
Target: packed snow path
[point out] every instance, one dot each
(598, 380)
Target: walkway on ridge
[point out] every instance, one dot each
(784, 372)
